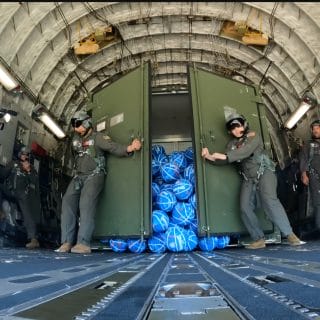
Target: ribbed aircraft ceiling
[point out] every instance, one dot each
(37, 40)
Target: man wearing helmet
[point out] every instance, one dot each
(310, 168)
(89, 149)
(21, 185)
(257, 170)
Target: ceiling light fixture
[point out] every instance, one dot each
(308, 101)
(44, 116)
(7, 80)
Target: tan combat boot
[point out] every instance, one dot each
(80, 248)
(258, 244)
(33, 244)
(294, 240)
(64, 248)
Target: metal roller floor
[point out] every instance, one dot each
(278, 282)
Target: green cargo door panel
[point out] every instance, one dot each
(218, 187)
(121, 110)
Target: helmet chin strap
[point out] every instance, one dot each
(87, 132)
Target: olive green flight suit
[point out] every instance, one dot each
(85, 187)
(310, 162)
(22, 187)
(258, 174)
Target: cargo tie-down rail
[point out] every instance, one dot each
(279, 282)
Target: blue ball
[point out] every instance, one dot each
(182, 189)
(193, 201)
(157, 149)
(161, 159)
(157, 244)
(194, 225)
(166, 200)
(175, 239)
(160, 221)
(155, 167)
(178, 159)
(189, 155)
(191, 240)
(136, 245)
(207, 243)
(220, 242)
(118, 245)
(189, 173)
(182, 213)
(169, 172)
(155, 190)
(167, 187)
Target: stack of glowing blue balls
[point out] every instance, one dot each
(177, 190)
(174, 207)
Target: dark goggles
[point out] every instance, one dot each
(234, 124)
(315, 123)
(76, 123)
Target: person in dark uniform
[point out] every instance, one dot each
(258, 172)
(86, 185)
(310, 168)
(21, 184)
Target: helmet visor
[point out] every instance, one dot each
(76, 123)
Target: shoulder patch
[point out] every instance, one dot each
(251, 134)
(106, 137)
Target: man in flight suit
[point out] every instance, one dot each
(246, 149)
(21, 184)
(310, 168)
(86, 185)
